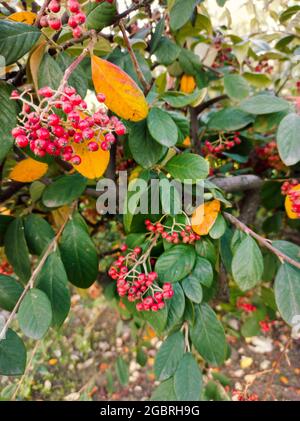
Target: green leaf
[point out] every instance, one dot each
(264, 104)
(168, 356)
(165, 391)
(79, 255)
(64, 190)
(167, 51)
(78, 77)
(175, 263)
(16, 249)
(188, 379)
(176, 307)
(202, 274)
(100, 15)
(205, 248)
(157, 320)
(229, 119)
(259, 80)
(145, 150)
(290, 249)
(218, 228)
(38, 233)
(53, 281)
(12, 355)
(179, 99)
(8, 117)
(35, 314)
(5, 220)
(287, 292)
(169, 196)
(247, 264)
(137, 191)
(161, 127)
(156, 37)
(16, 39)
(288, 139)
(251, 327)
(188, 167)
(49, 73)
(208, 335)
(288, 13)
(10, 291)
(236, 86)
(181, 12)
(182, 123)
(122, 371)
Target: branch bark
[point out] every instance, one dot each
(238, 183)
(136, 65)
(209, 103)
(264, 242)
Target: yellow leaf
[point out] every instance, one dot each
(205, 216)
(93, 164)
(59, 215)
(187, 142)
(123, 96)
(35, 59)
(24, 17)
(288, 204)
(246, 362)
(28, 170)
(187, 84)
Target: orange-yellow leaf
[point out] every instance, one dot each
(288, 204)
(24, 17)
(28, 170)
(123, 96)
(93, 164)
(187, 142)
(35, 59)
(187, 84)
(205, 216)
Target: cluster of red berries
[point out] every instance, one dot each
(263, 66)
(139, 287)
(298, 86)
(76, 19)
(45, 132)
(266, 325)
(269, 153)
(244, 305)
(224, 55)
(238, 395)
(5, 268)
(222, 144)
(288, 189)
(178, 233)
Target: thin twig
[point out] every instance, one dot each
(8, 7)
(136, 65)
(209, 103)
(30, 283)
(261, 240)
(132, 8)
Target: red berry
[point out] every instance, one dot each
(101, 97)
(53, 120)
(55, 24)
(22, 141)
(17, 131)
(137, 250)
(78, 137)
(93, 146)
(44, 22)
(72, 22)
(80, 18)
(54, 6)
(105, 146)
(46, 92)
(77, 32)
(88, 134)
(76, 160)
(74, 6)
(110, 138)
(120, 130)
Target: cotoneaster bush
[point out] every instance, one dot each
(168, 94)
